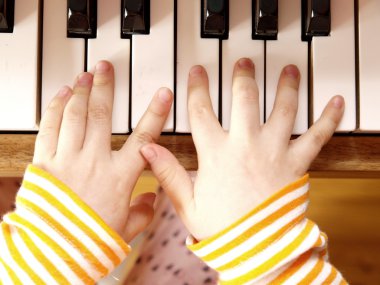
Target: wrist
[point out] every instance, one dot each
(245, 245)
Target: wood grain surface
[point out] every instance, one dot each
(350, 155)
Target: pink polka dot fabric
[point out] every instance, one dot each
(164, 258)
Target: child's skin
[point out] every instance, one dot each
(239, 169)
(74, 144)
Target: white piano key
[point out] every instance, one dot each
(238, 45)
(369, 64)
(334, 64)
(62, 58)
(108, 45)
(193, 50)
(19, 69)
(153, 60)
(288, 49)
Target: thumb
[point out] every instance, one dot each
(140, 215)
(171, 175)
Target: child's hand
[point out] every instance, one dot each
(74, 144)
(240, 168)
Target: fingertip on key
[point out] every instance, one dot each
(245, 63)
(165, 95)
(103, 66)
(196, 71)
(338, 102)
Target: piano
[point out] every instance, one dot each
(44, 44)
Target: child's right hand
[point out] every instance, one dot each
(241, 168)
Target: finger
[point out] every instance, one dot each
(72, 133)
(171, 175)
(99, 116)
(205, 127)
(47, 138)
(140, 215)
(245, 113)
(148, 130)
(309, 144)
(282, 119)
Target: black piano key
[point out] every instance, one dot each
(7, 15)
(81, 18)
(135, 17)
(215, 19)
(316, 18)
(265, 19)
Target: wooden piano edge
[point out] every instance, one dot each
(343, 156)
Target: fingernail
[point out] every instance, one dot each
(164, 95)
(196, 70)
(149, 153)
(291, 71)
(84, 79)
(245, 63)
(338, 102)
(64, 91)
(102, 66)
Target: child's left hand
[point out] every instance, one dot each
(74, 145)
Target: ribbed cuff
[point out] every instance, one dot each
(270, 236)
(77, 245)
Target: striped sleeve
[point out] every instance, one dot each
(55, 238)
(273, 244)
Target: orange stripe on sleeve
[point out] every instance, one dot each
(71, 263)
(313, 273)
(286, 190)
(276, 259)
(293, 268)
(81, 204)
(65, 233)
(264, 244)
(256, 228)
(331, 276)
(39, 255)
(73, 218)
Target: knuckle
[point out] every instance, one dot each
(156, 110)
(319, 138)
(167, 176)
(143, 138)
(46, 130)
(246, 91)
(74, 114)
(55, 105)
(101, 80)
(287, 110)
(198, 110)
(99, 113)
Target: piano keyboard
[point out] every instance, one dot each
(44, 44)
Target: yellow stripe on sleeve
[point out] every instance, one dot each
(11, 274)
(73, 218)
(275, 260)
(39, 255)
(67, 235)
(66, 258)
(81, 204)
(17, 256)
(256, 228)
(264, 244)
(286, 190)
